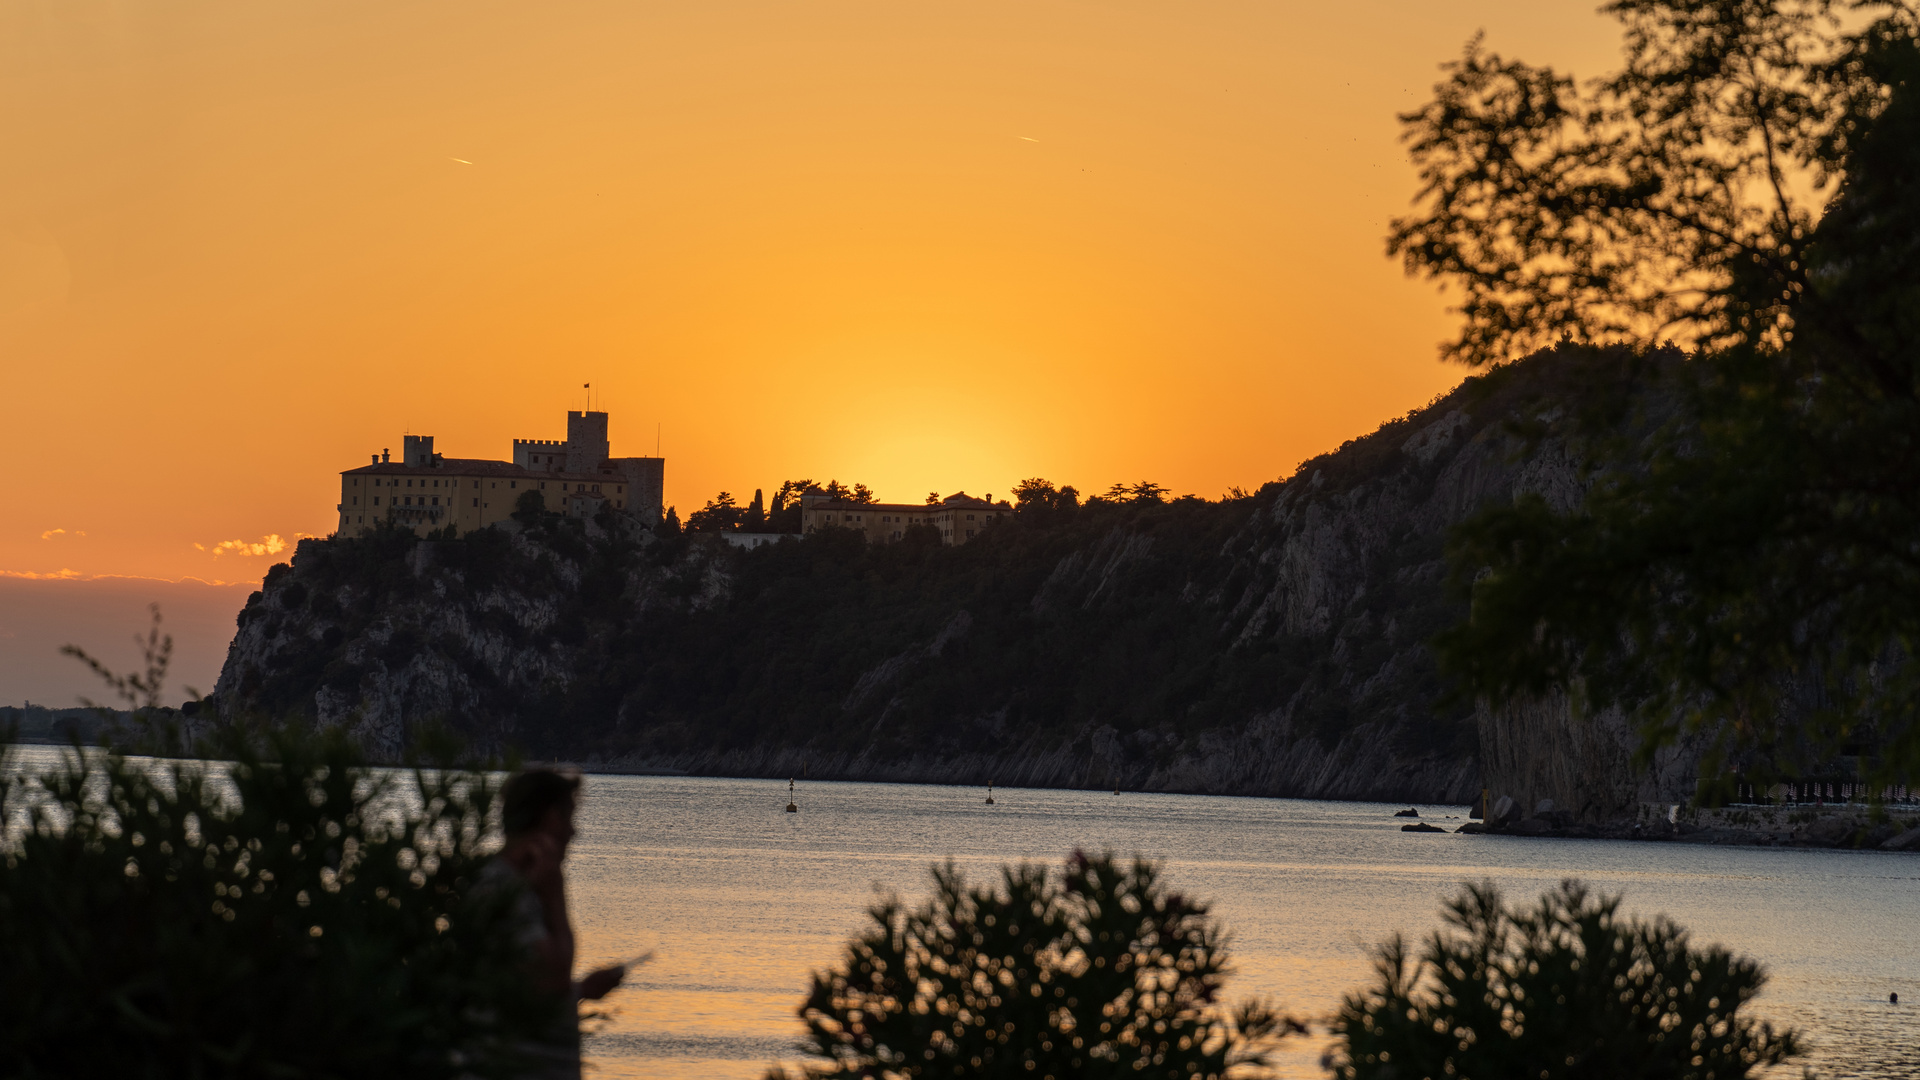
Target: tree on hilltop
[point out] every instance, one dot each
(1146, 491)
(719, 515)
(1035, 499)
(783, 516)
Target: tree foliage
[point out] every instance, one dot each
(530, 508)
(1146, 491)
(289, 913)
(1566, 990)
(1677, 197)
(1746, 185)
(1100, 971)
(719, 515)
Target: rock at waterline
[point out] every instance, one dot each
(1421, 827)
(1905, 841)
(1408, 812)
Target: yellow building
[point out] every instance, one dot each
(959, 517)
(425, 491)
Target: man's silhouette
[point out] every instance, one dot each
(538, 820)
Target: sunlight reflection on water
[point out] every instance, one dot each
(743, 900)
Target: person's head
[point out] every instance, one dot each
(540, 801)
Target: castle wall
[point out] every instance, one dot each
(540, 455)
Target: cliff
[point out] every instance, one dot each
(1270, 645)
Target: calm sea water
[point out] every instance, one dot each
(741, 900)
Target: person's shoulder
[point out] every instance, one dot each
(498, 875)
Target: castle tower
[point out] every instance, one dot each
(418, 450)
(587, 446)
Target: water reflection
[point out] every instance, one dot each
(743, 900)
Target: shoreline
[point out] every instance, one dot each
(1840, 826)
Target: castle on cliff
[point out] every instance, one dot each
(425, 491)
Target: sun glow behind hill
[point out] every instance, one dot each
(923, 246)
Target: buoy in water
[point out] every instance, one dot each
(791, 807)
(989, 793)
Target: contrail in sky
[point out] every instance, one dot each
(462, 161)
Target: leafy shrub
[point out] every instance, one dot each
(1099, 972)
(292, 913)
(1568, 990)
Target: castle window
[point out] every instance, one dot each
(409, 483)
(436, 502)
(356, 500)
(476, 502)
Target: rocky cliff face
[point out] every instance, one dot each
(1273, 645)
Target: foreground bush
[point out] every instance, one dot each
(292, 913)
(1567, 990)
(1098, 972)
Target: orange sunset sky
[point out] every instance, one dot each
(920, 245)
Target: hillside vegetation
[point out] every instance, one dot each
(1273, 643)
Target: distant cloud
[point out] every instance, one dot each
(68, 574)
(51, 533)
(462, 161)
(270, 544)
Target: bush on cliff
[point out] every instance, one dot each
(1097, 972)
(1566, 990)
